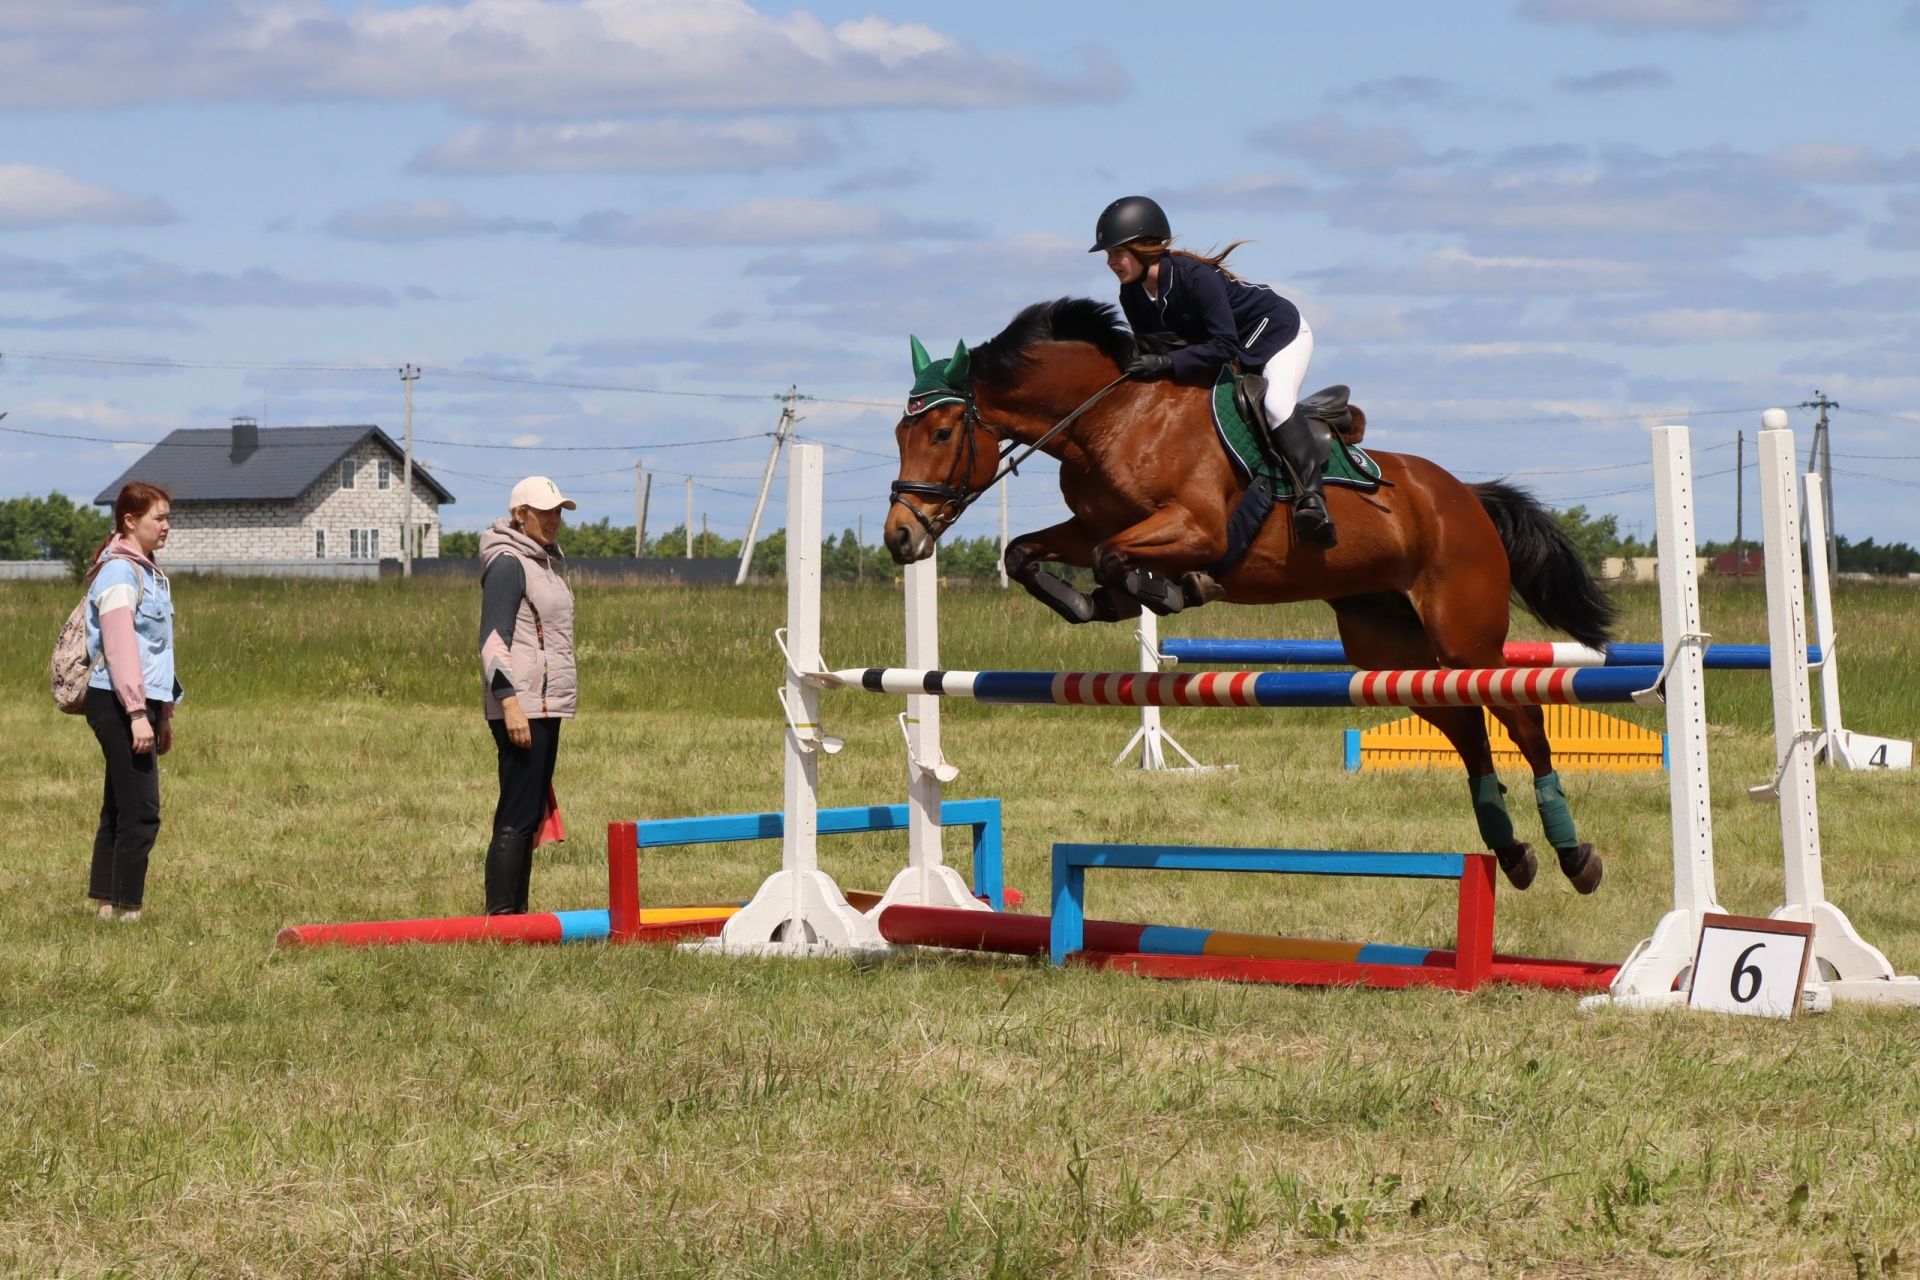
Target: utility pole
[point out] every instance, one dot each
(780, 433)
(860, 549)
(689, 525)
(409, 374)
(646, 498)
(1739, 505)
(1820, 458)
(639, 510)
(706, 544)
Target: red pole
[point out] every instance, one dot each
(542, 926)
(623, 881)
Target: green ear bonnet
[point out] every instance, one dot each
(937, 382)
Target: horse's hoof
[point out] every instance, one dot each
(1200, 588)
(1111, 606)
(1060, 596)
(1519, 864)
(1153, 591)
(1582, 866)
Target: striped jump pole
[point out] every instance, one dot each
(1517, 653)
(1494, 687)
(656, 924)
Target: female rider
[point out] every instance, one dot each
(1219, 318)
(526, 662)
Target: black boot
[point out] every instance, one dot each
(525, 883)
(509, 862)
(1305, 446)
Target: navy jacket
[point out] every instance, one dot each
(1220, 318)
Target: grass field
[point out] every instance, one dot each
(178, 1098)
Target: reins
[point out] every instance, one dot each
(958, 497)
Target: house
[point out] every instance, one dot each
(1746, 562)
(287, 493)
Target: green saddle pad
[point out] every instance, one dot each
(1349, 465)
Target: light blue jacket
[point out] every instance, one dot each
(152, 627)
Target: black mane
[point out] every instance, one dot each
(1003, 358)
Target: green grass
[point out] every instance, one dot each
(180, 1099)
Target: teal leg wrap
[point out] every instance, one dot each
(1554, 816)
(1490, 811)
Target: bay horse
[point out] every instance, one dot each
(1421, 576)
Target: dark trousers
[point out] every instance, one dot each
(525, 774)
(129, 804)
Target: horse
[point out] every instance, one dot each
(1421, 576)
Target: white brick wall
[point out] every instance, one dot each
(284, 530)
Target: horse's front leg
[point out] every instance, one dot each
(1065, 543)
(1160, 561)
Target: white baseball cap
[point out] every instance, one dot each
(539, 493)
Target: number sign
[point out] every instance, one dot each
(1750, 966)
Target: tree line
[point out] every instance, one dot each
(58, 528)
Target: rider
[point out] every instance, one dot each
(1219, 318)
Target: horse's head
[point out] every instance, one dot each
(947, 457)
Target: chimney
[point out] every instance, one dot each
(246, 438)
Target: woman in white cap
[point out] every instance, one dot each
(526, 662)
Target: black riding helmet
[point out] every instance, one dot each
(1128, 219)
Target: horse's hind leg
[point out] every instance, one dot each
(1468, 626)
(1382, 632)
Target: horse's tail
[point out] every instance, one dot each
(1548, 575)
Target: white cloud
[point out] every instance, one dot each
(770, 220)
(675, 145)
(1902, 229)
(126, 280)
(1634, 17)
(401, 222)
(1455, 271)
(531, 57)
(1329, 143)
(1615, 81)
(1840, 163)
(33, 195)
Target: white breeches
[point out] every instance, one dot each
(1285, 373)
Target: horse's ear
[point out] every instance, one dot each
(957, 367)
(920, 357)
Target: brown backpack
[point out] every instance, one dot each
(73, 663)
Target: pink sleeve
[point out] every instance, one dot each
(122, 650)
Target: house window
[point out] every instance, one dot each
(385, 470)
(346, 473)
(363, 544)
(319, 544)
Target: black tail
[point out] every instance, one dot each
(1548, 575)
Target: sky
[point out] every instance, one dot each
(610, 231)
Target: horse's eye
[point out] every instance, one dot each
(943, 435)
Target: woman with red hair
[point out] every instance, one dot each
(131, 695)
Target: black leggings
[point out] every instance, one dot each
(129, 803)
(525, 775)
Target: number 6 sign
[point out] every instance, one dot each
(1750, 966)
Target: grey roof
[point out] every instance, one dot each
(194, 464)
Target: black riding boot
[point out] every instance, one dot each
(1306, 446)
(509, 863)
(524, 886)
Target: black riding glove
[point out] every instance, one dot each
(1150, 366)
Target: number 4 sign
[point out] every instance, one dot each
(1750, 966)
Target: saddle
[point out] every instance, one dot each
(1328, 407)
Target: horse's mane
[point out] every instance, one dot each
(1005, 356)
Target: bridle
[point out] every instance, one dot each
(952, 493)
